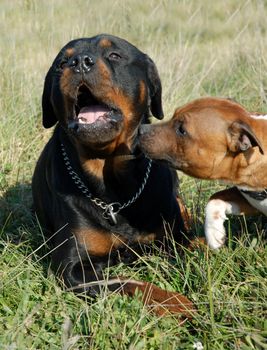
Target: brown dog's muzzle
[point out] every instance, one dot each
(148, 138)
(158, 142)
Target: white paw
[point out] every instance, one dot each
(215, 236)
(214, 220)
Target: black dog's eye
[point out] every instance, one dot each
(180, 130)
(114, 56)
(63, 64)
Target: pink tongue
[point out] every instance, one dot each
(91, 113)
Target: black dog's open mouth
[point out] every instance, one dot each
(88, 111)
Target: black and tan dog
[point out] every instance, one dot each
(99, 199)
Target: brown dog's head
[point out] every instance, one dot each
(100, 89)
(204, 138)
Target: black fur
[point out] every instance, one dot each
(59, 203)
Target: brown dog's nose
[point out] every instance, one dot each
(81, 63)
(144, 129)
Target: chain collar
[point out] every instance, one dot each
(110, 210)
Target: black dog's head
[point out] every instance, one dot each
(100, 89)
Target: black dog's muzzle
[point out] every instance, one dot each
(81, 63)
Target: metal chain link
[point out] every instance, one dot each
(110, 210)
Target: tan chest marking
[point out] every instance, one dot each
(93, 167)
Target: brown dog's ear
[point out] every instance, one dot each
(241, 138)
(49, 117)
(154, 89)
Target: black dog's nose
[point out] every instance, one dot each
(81, 63)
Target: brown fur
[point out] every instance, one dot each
(210, 150)
(98, 243)
(105, 43)
(214, 138)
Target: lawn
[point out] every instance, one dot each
(201, 48)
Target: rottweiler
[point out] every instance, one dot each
(98, 198)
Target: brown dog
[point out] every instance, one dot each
(99, 199)
(213, 138)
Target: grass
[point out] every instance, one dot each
(200, 48)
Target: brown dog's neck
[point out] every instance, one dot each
(251, 170)
(243, 169)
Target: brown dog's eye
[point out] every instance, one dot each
(180, 130)
(114, 56)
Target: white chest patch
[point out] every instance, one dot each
(260, 205)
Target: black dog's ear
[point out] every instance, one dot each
(154, 89)
(49, 117)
